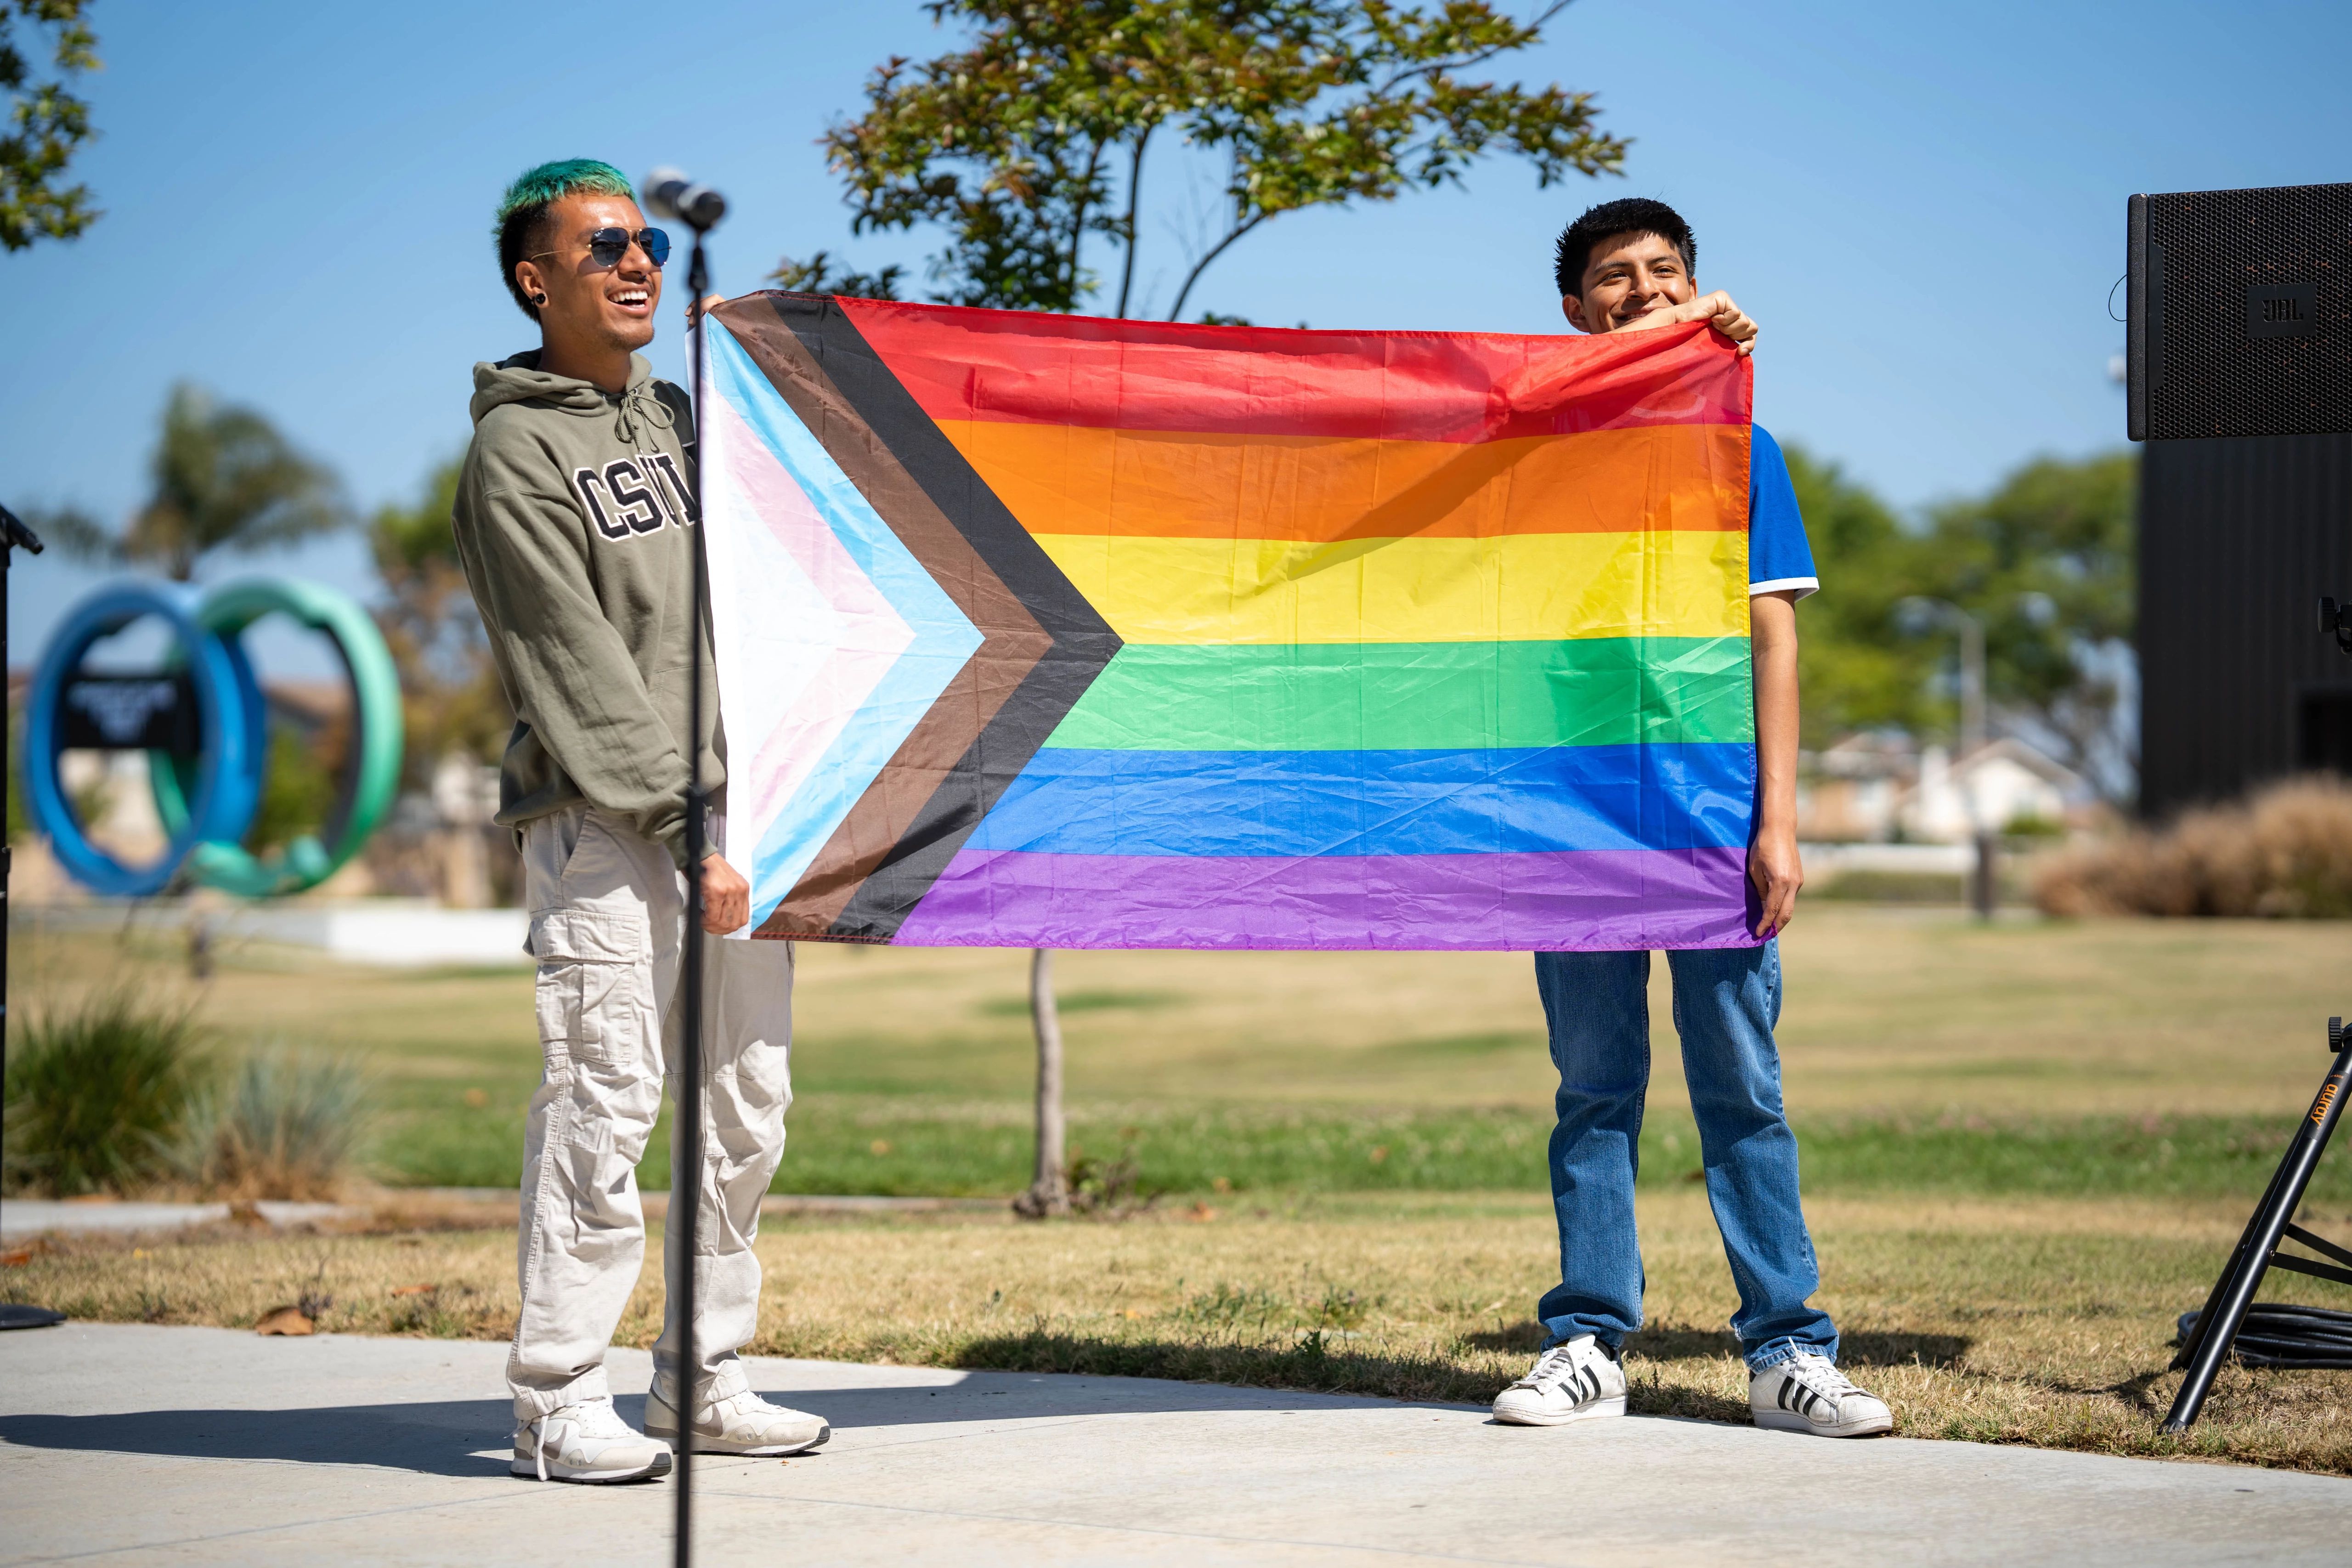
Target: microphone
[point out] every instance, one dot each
(670, 194)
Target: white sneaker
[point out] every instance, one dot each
(736, 1421)
(1574, 1382)
(1807, 1392)
(587, 1442)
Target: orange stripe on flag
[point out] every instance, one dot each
(1080, 479)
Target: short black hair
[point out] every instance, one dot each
(1627, 215)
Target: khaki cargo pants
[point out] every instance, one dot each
(608, 922)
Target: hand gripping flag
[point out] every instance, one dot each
(1049, 631)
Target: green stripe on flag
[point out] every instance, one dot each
(1376, 696)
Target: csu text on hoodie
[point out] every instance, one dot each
(574, 522)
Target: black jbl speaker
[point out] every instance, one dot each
(2241, 313)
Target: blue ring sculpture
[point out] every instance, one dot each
(370, 774)
(228, 775)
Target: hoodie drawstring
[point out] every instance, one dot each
(639, 404)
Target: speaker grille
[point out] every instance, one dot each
(2210, 373)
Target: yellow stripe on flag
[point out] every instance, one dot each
(1509, 588)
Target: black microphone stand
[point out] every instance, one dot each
(14, 536)
(685, 1175)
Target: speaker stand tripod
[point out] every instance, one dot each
(2281, 1336)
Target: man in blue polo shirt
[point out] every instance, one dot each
(1628, 266)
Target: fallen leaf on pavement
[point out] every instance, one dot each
(284, 1320)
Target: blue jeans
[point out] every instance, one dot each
(1726, 1002)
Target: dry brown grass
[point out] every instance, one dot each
(2287, 852)
(2036, 1322)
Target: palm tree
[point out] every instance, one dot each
(223, 479)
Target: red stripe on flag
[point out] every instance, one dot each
(1026, 367)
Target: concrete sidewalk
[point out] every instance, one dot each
(134, 1445)
(23, 1218)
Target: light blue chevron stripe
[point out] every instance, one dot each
(944, 638)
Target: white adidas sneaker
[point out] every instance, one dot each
(735, 1420)
(1807, 1392)
(1575, 1382)
(588, 1443)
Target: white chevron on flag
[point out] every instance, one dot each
(854, 639)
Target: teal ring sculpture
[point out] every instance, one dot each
(225, 775)
(371, 774)
(207, 799)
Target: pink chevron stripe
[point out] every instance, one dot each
(792, 722)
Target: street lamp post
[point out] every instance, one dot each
(1983, 890)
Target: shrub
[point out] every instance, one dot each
(93, 1093)
(280, 1127)
(2286, 853)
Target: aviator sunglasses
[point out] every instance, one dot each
(607, 246)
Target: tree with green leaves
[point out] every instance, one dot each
(1855, 672)
(222, 477)
(46, 123)
(2047, 562)
(1037, 135)
(2044, 561)
(818, 276)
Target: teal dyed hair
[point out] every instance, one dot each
(525, 205)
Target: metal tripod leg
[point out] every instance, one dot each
(2225, 1308)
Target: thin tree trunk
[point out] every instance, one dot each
(1134, 215)
(1049, 1193)
(1078, 227)
(1177, 313)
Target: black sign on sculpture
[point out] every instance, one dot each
(131, 713)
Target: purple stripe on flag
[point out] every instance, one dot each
(1589, 901)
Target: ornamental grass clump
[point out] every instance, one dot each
(2286, 854)
(280, 1127)
(95, 1092)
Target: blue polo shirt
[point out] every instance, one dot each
(1779, 558)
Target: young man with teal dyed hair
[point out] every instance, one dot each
(575, 522)
(1631, 265)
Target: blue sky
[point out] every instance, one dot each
(1923, 205)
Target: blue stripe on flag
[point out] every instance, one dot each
(1551, 798)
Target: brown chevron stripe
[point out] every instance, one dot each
(1012, 641)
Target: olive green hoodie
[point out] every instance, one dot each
(575, 522)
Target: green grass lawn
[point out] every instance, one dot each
(1924, 1053)
(2026, 1149)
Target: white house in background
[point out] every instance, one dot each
(1847, 793)
(1998, 784)
(1877, 788)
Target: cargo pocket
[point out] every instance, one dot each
(595, 982)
